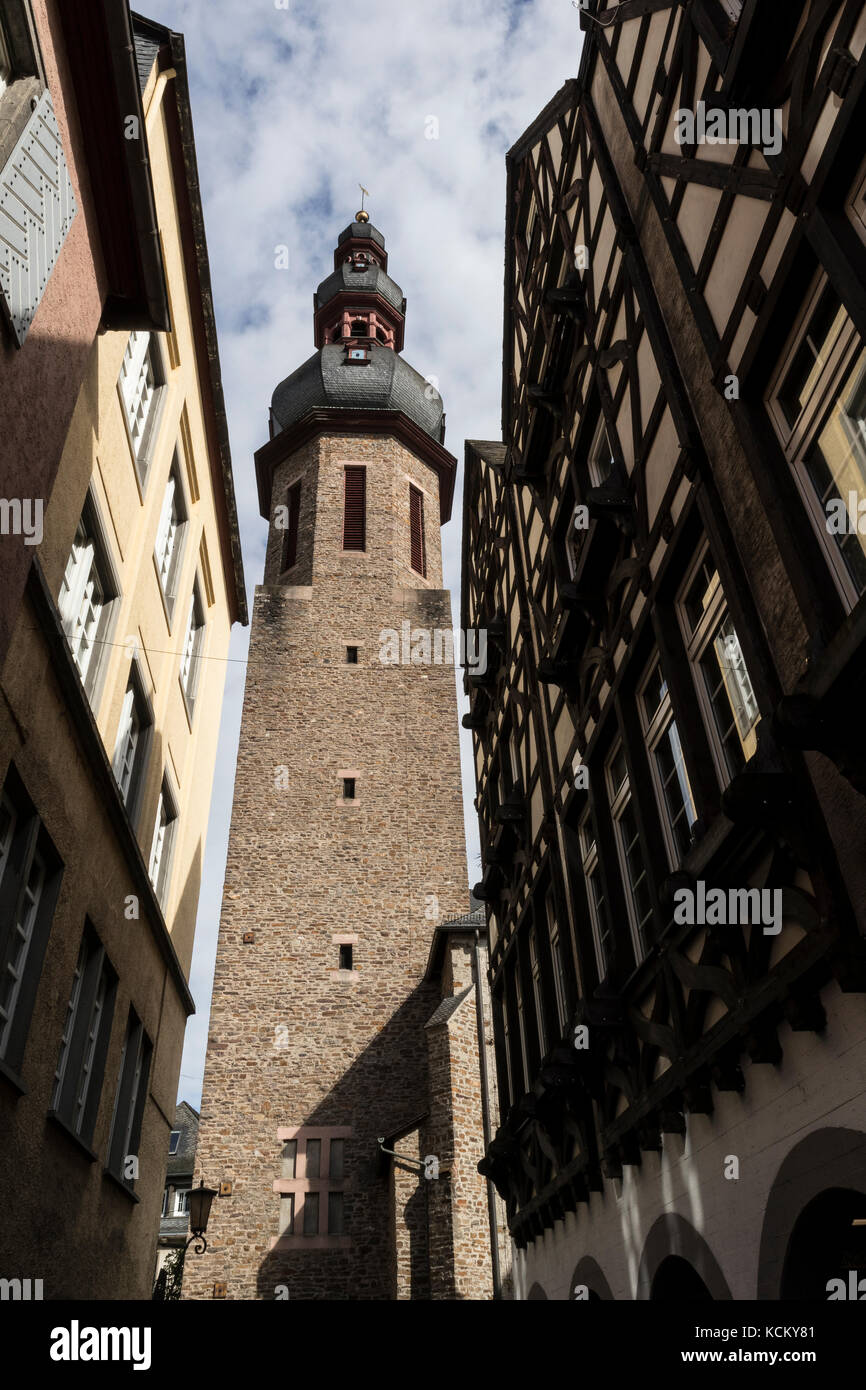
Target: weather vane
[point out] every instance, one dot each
(363, 216)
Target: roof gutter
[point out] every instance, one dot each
(101, 56)
(118, 23)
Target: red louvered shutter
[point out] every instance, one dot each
(290, 544)
(416, 529)
(354, 509)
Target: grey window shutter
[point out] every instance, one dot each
(37, 206)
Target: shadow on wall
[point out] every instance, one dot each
(384, 1089)
(808, 1237)
(678, 1263)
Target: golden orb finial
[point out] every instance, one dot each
(362, 216)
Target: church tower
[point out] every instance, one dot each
(347, 849)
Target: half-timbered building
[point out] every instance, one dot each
(667, 551)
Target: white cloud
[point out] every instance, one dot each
(292, 109)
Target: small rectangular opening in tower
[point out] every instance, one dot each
(346, 957)
(290, 537)
(348, 789)
(351, 656)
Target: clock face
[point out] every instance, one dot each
(357, 354)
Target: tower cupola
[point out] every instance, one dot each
(359, 302)
(357, 378)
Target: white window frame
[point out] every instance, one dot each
(173, 1151)
(620, 798)
(193, 647)
(163, 841)
(132, 743)
(140, 385)
(87, 601)
(168, 548)
(698, 639)
(591, 866)
(33, 878)
(181, 1201)
(5, 60)
(845, 348)
(655, 730)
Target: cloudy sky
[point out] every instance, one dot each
(296, 102)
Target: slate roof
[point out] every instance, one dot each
(362, 229)
(373, 279)
(386, 382)
(147, 43)
(448, 1006)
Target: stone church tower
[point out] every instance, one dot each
(346, 858)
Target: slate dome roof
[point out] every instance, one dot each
(386, 382)
(371, 280)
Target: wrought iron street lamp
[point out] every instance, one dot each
(200, 1199)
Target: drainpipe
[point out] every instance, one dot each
(485, 1119)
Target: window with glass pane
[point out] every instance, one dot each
(631, 857)
(18, 945)
(335, 1165)
(314, 1158)
(192, 646)
(84, 599)
(599, 915)
(311, 1213)
(29, 881)
(560, 987)
(181, 1201)
(335, 1213)
(80, 1067)
(670, 778)
(521, 1026)
(835, 464)
(169, 535)
(729, 701)
(287, 1214)
(289, 1159)
(506, 1037)
(5, 63)
(600, 457)
(131, 1096)
(173, 1141)
(165, 828)
(130, 748)
(537, 995)
(140, 380)
(818, 407)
